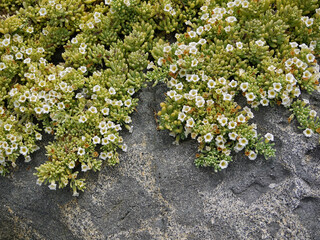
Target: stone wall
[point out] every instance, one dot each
(156, 192)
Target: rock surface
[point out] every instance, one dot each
(156, 192)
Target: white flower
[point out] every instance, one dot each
(245, 4)
(241, 118)
(181, 116)
(7, 127)
(250, 97)
(271, 93)
(195, 78)
(205, 8)
(112, 91)
(211, 84)
(306, 101)
(40, 50)
(6, 42)
(127, 102)
(277, 87)
(193, 50)
(194, 63)
(107, 2)
(127, 2)
(227, 97)
(260, 43)
(19, 55)
(310, 57)
(200, 102)
(233, 136)
(74, 40)
(59, 6)
(223, 164)
(84, 168)
(309, 22)
(112, 137)
(269, 137)
(306, 74)
(264, 102)
(48, 130)
(90, 25)
(103, 156)
(190, 123)
(229, 48)
(61, 105)
(199, 30)
(166, 49)
(230, 4)
(223, 121)
(71, 165)
(308, 132)
(202, 41)
(96, 88)
(192, 34)
(313, 113)
(124, 147)
(53, 186)
(83, 69)
(173, 68)
(231, 19)
(151, 65)
(186, 108)
(81, 151)
(167, 8)
(239, 45)
(45, 108)
(24, 150)
(92, 109)
(28, 52)
(82, 51)
(38, 110)
(286, 100)
(160, 61)
(208, 137)
(27, 60)
(222, 80)
(243, 141)
(29, 29)
(193, 93)
(252, 155)
(105, 111)
(82, 119)
(2, 66)
(42, 11)
(118, 128)
(244, 86)
(96, 140)
(232, 124)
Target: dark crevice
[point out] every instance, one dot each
(57, 58)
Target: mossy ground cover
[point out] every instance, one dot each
(264, 51)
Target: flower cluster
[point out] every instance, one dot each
(230, 50)
(72, 68)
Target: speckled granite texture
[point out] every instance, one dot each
(156, 192)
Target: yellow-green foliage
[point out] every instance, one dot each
(264, 50)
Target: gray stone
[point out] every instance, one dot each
(156, 192)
